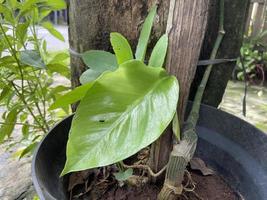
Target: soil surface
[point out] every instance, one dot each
(211, 187)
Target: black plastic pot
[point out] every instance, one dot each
(231, 146)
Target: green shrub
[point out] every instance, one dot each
(27, 70)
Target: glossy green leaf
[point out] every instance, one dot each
(145, 34)
(123, 112)
(49, 26)
(89, 76)
(32, 58)
(71, 97)
(159, 52)
(121, 47)
(100, 61)
(7, 128)
(123, 175)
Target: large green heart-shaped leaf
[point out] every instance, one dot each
(123, 112)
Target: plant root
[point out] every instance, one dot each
(147, 168)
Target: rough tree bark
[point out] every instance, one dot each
(186, 25)
(91, 21)
(236, 12)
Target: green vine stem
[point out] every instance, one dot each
(183, 152)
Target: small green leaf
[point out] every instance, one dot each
(159, 52)
(28, 149)
(7, 128)
(176, 127)
(60, 69)
(89, 76)
(121, 47)
(57, 90)
(71, 97)
(25, 130)
(123, 175)
(49, 26)
(32, 58)
(100, 61)
(58, 58)
(7, 13)
(26, 6)
(145, 34)
(21, 31)
(6, 90)
(43, 12)
(55, 4)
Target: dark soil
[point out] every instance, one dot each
(211, 187)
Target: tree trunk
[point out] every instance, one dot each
(91, 21)
(236, 12)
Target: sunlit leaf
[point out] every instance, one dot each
(145, 34)
(7, 128)
(121, 47)
(58, 58)
(49, 26)
(71, 97)
(133, 104)
(159, 52)
(28, 149)
(100, 61)
(54, 4)
(32, 58)
(7, 13)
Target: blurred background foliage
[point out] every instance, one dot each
(27, 71)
